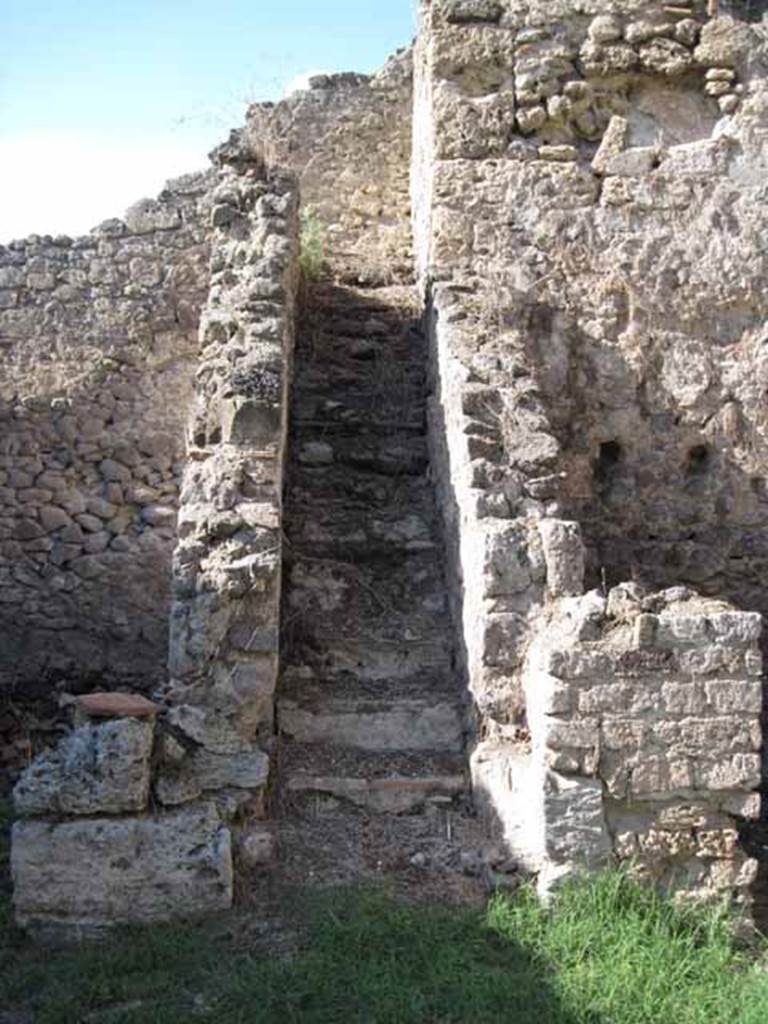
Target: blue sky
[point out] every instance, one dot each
(101, 102)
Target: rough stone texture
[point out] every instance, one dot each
(75, 879)
(645, 727)
(226, 570)
(369, 714)
(371, 724)
(595, 324)
(98, 338)
(97, 769)
(587, 186)
(348, 137)
(225, 615)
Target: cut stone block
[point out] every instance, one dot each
(204, 771)
(564, 555)
(75, 879)
(97, 769)
(373, 725)
(613, 142)
(392, 795)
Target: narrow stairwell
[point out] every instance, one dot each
(371, 763)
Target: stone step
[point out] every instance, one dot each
(340, 370)
(343, 533)
(318, 716)
(386, 453)
(372, 310)
(362, 490)
(375, 411)
(398, 599)
(372, 659)
(344, 422)
(322, 780)
(363, 352)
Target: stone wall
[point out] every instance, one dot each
(129, 819)
(587, 193)
(596, 315)
(99, 341)
(644, 712)
(348, 137)
(227, 565)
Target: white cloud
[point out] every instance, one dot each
(66, 185)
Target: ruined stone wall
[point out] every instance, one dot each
(99, 341)
(130, 819)
(588, 209)
(227, 566)
(645, 714)
(348, 137)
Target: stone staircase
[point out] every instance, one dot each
(370, 714)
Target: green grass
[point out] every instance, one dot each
(605, 953)
(311, 244)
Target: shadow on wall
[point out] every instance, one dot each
(748, 10)
(664, 472)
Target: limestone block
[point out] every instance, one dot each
(390, 795)
(717, 87)
(255, 846)
(605, 28)
(203, 772)
(659, 776)
(472, 130)
(723, 43)
(741, 695)
(685, 698)
(564, 556)
(632, 162)
(736, 628)
(665, 57)
(613, 142)
(561, 734)
(205, 728)
(729, 104)
(737, 771)
(97, 769)
(503, 639)
(461, 11)
(645, 29)
(705, 736)
(531, 119)
(507, 789)
(579, 663)
(575, 828)
(372, 725)
(687, 31)
(547, 695)
(150, 215)
(559, 154)
(737, 873)
(607, 58)
(512, 558)
(316, 454)
(75, 879)
(710, 157)
(250, 421)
